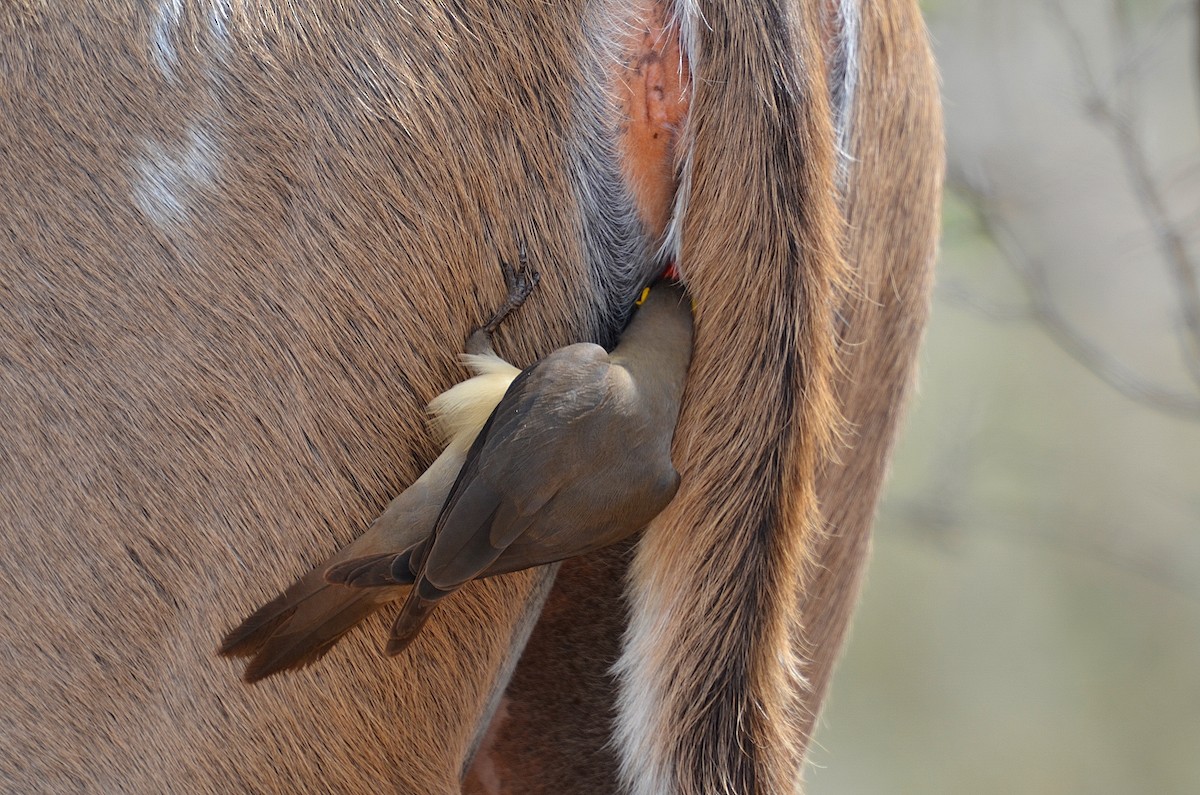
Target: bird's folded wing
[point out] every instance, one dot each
(527, 450)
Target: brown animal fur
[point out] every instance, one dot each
(717, 572)
(232, 278)
(892, 202)
(893, 212)
(238, 253)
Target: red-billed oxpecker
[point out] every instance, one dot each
(567, 456)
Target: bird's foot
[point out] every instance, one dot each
(520, 282)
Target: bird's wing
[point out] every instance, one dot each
(528, 450)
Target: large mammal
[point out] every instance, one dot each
(235, 240)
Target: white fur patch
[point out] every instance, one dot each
(169, 179)
(686, 14)
(165, 34)
(843, 80)
(638, 731)
(218, 23)
(162, 37)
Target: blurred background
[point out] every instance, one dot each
(1031, 620)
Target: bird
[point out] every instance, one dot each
(557, 460)
(301, 624)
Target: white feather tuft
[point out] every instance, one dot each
(458, 414)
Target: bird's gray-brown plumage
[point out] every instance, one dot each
(300, 625)
(575, 456)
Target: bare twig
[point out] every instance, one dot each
(1112, 109)
(1133, 57)
(1116, 120)
(1044, 311)
(960, 295)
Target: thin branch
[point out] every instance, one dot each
(1103, 110)
(960, 295)
(1044, 311)
(1134, 56)
(1170, 240)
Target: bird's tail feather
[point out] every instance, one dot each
(302, 646)
(300, 625)
(374, 571)
(408, 624)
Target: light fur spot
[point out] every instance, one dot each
(638, 729)
(170, 178)
(162, 37)
(219, 12)
(686, 14)
(843, 80)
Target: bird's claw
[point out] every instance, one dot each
(520, 282)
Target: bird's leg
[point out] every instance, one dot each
(520, 282)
